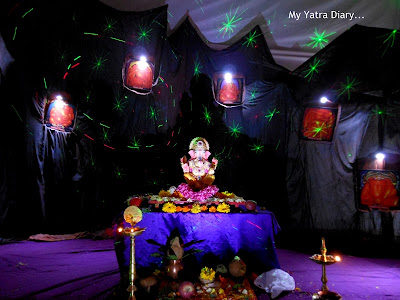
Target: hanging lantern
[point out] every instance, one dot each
(138, 75)
(378, 182)
(228, 89)
(59, 113)
(319, 123)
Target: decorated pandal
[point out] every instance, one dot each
(221, 224)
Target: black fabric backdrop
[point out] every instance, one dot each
(59, 181)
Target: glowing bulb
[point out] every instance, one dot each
(142, 63)
(324, 100)
(58, 97)
(228, 77)
(380, 156)
(59, 103)
(120, 229)
(337, 258)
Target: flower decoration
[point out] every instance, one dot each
(223, 208)
(207, 273)
(185, 209)
(212, 209)
(195, 209)
(203, 194)
(204, 208)
(179, 208)
(169, 207)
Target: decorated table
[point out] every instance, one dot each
(224, 235)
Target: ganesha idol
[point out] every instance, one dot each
(198, 171)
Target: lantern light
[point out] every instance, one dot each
(228, 77)
(337, 258)
(142, 63)
(324, 100)
(380, 156)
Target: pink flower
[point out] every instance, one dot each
(203, 194)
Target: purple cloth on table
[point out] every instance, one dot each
(224, 234)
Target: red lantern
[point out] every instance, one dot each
(228, 92)
(60, 115)
(319, 123)
(138, 75)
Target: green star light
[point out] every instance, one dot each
(118, 173)
(153, 113)
(197, 68)
(144, 33)
(271, 114)
(229, 24)
(251, 39)
(235, 130)
(99, 63)
(258, 147)
(207, 116)
(135, 144)
(109, 27)
(105, 135)
(319, 39)
(313, 68)
(119, 104)
(390, 38)
(348, 87)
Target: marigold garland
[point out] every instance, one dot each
(223, 208)
(185, 209)
(169, 207)
(204, 208)
(212, 209)
(179, 208)
(196, 209)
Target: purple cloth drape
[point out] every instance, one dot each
(225, 236)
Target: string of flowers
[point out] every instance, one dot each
(170, 207)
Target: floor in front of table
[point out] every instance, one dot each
(88, 269)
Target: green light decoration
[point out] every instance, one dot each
(105, 135)
(319, 39)
(119, 104)
(23, 16)
(153, 113)
(207, 116)
(92, 162)
(381, 112)
(118, 173)
(197, 68)
(109, 27)
(258, 147)
(235, 130)
(15, 33)
(88, 94)
(99, 63)
(347, 87)
(63, 55)
(251, 39)
(253, 95)
(390, 38)
(45, 83)
(144, 33)
(271, 114)
(135, 144)
(229, 24)
(320, 128)
(313, 68)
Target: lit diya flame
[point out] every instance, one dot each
(337, 258)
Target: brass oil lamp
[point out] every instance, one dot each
(324, 260)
